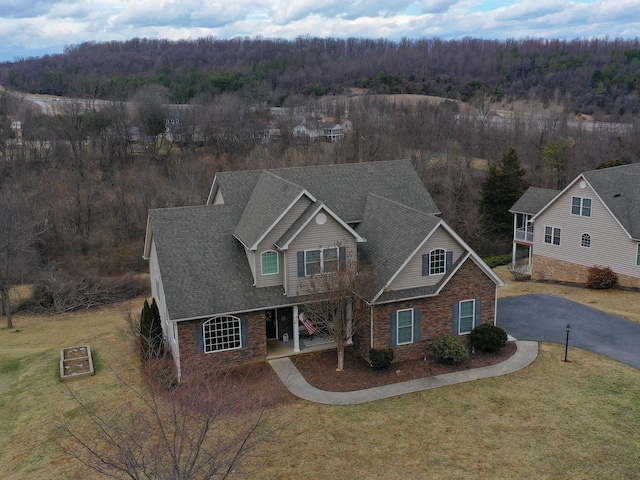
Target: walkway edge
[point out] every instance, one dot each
(525, 354)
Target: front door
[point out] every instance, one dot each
(271, 325)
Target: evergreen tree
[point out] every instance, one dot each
(145, 330)
(504, 185)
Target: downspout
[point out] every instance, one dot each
(371, 329)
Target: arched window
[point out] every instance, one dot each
(585, 241)
(221, 333)
(269, 262)
(437, 264)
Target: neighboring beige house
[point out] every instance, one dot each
(594, 221)
(329, 131)
(229, 276)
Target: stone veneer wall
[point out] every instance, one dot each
(552, 270)
(436, 313)
(256, 350)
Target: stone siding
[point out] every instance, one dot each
(190, 359)
(436, 313)
(545, 269)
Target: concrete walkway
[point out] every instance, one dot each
(295, 382)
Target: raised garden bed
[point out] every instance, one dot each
(75, 362)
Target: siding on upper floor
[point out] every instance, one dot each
(411, 275)
(268, 244)
(610, 244)
(315, 236)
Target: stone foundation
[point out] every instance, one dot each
(547, 269)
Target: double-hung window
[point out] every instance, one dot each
(269, 262)
(221, 333)
(552, 235)
(322, 260)
(437, 263)
(581, 206)
(638, 256)
(467, 313)
(405, 326)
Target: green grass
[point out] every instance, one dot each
(552, 420)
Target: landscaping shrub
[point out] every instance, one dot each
(601, 278)
(449, 349)
(488, 338)
(498, 260)
(151, 341)
(380, 358)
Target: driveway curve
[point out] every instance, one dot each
(543, 318)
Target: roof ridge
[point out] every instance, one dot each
(401, 204)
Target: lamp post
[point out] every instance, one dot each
(566, 345)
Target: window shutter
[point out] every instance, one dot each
(301, 264)
(244, 332)
(199, 338)
(478, 314)
(394, 328)
(456, 318)
(416, 325)
(425, 265)
(343, 257)
(448, 261)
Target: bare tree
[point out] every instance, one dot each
(165, 430)
(335, 299)
(18, 250)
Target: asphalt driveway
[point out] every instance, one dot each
(543, 318)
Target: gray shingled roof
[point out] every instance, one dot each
(393, 232)
(533, 200)
(342, 187)
(204, 268)
(619, 189)
(271, 197)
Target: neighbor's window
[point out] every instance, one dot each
(221, 333)
(330, 260)
(585, 241)
(311, 262)
(552, 235)
(437, 261)
(466, 315)
(269, 262)
(638, 256)
(581, 206)
(405, 326)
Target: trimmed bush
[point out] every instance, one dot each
(449, 349)
(488, 338)
(380, 358)
(498, 260)
(602, 278)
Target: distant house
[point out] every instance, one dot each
(264, 133)
(229, 277)
(594, 221)
(329, 131)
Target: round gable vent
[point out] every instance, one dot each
(321, 219)
(583, 184)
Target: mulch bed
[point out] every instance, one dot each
(257, 386)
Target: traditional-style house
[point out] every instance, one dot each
(594, 221)
(229, 276)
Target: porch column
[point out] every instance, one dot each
(513, 256)
(296, 330)
(350, 323)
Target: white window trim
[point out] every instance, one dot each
(473, 315)
(638, 256)
(444, 265)
(204, 334)
(580, 213)
(398, 325)
(277, 263)
(321, 255)
(553, 229)
(582, 238)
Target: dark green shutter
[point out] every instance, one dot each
(416, 325)
(425, 265)
(456, 318)
(394, 328)
(478, 313)
(301, 264)
(343, 257)
(448, 261)
(199, 338)
(244, 332)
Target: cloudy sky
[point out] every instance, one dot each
(38, 27)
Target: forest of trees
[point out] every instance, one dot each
(88, 183)
(598, 76)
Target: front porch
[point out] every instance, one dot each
(280, 349)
